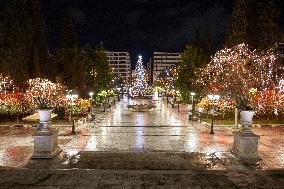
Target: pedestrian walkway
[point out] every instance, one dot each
(161, 148)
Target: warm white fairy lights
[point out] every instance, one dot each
(6, 84)
(166, 80)
(235, 71)
(281, 86)
(240, 70)
(44, 88)
(140, 77)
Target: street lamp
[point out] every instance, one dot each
(178, 99)
(118, 88)
(71, 96)
(192, 105)
(122, 90)
(173, 98)
(213, 98)
(91, 93)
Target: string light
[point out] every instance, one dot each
(235, 71)
(166, 81)
(140, 77)
(239, 70)
(6, 84)
(44, 88)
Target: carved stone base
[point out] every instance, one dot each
(45, 144)
(44, 126)
(246, 146)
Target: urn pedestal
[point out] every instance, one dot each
(245, 145)
(46, 144)
(45, 139)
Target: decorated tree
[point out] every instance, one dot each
(235, 71)
(267, 102)
(6, 84)
(166, 80)
(159, 81)
(12, 103)
(140, 78)
(46, 89)
(15, 104)
(240, 71)
(281, 98)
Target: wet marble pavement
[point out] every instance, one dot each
(159, 130)
(160, 140)
(163, 130)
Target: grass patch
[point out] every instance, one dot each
(219, 120)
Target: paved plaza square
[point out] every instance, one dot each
(157, 148)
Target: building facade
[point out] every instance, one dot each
(161, 61)
(120, 64)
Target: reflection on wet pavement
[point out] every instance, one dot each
(135, 135)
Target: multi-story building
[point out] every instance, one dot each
(120, 64)
(162, 61)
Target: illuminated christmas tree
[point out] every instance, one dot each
(140, 78)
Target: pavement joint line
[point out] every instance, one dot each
(140, 126)
(147, 171)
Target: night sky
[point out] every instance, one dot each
(139, 26)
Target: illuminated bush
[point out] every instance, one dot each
(46, 89)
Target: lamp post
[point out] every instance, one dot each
(71, 96)
(122, 91)
(91, 93)
(118, 98)
(178, 99)
(173, 99)
(213, 98)
(192, 105)
(167, 99)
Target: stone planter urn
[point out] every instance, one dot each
(246, 118)
(44, 119)
(44, 114)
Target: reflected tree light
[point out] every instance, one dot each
(192, 142)
(139, 131)
(92, 143)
